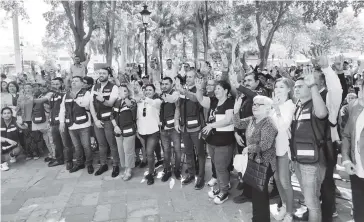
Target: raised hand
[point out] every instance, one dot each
(199, 83)
(318, 57)
(237, 105)
(308, 76)
(233, 77)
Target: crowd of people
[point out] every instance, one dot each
(287, 121)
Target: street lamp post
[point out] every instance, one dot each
(145, 18)
(22, 57)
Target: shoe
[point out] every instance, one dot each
(137, 162)
(281, 213)
(177, 174)
(52, 161)
(213, 193)
(212, 182)
(143, 164)
(36, 158)
(127, 175)
(47, 159)
(200, 184)
(240, 199)
(150, 179)
(221, 198)
(69, 165)
(4, 166)
(158, 164)
(335, 214)
(166, 176)
(12, 158)
(303, 218)
(101, 170)
(55, 163)
(28, 158)
(77, 168)
(90, 169)
(288, 218)
(189, 179)
(115, 171)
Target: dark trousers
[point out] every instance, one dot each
(62, 143)
(328, 193)
(260, 201)
(357, 189)
(150, 141)
(191, 140)
(230, 168)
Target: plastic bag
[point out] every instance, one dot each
(240, 163)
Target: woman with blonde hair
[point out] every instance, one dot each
(260, 137)
(282, 115)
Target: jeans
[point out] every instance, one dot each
(48, 139)
(221, 157)
(230, 167)
(357, 189)
(104, 137)
(6, 154)
(126, 150)
(260, 201)
(168, 136)
(310, 177)
(150, 141)
(191, 140)
(62, 143)
(82, 143)
(283, 181)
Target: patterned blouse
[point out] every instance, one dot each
(260, 137)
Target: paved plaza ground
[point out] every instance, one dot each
(31, 191)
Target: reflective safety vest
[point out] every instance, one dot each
(74, 112)
(167, 113)
(38, 113)
(308, 140)
(103, 112)
(55, 105)
(125, 118)
(10, 131)
(190, 112)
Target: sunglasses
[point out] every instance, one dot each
(144, 111)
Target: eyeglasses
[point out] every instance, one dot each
(258, 104)
(144, 111)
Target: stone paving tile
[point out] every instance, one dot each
(78, 218)
(142, 208)
(89, 210)
(102, 212)
(118, 211)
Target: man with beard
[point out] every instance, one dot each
(63, 151)
(104, 94)
(80, 68)
(168, 133)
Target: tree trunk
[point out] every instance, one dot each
(184, 48)
(160, 57)
(110, 38)
(205, 32)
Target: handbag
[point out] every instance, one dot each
(256, 174)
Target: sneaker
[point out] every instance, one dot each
(47, 159)
(36, 158)
(200, 183)
(221, 198)
(166, 176)
(158, 164)
(213, 193)
(12, 158)
(28, 158)
(150, 179)
(281, 213)
(4, 166)
(335, 214)
(189, 179)
(212, 182)
(288, 218)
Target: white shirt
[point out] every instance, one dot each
(79, 69)
(359, 170)
(81, 101)
(283, 123)
(171, 73)
(149, 123)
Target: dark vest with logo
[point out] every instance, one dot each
(125, 118)
(103, 112)
(308, 139)
(74, 112)
(38, 113)
(55, 105)
(167, 113)
(190, 112)
(10, 132)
